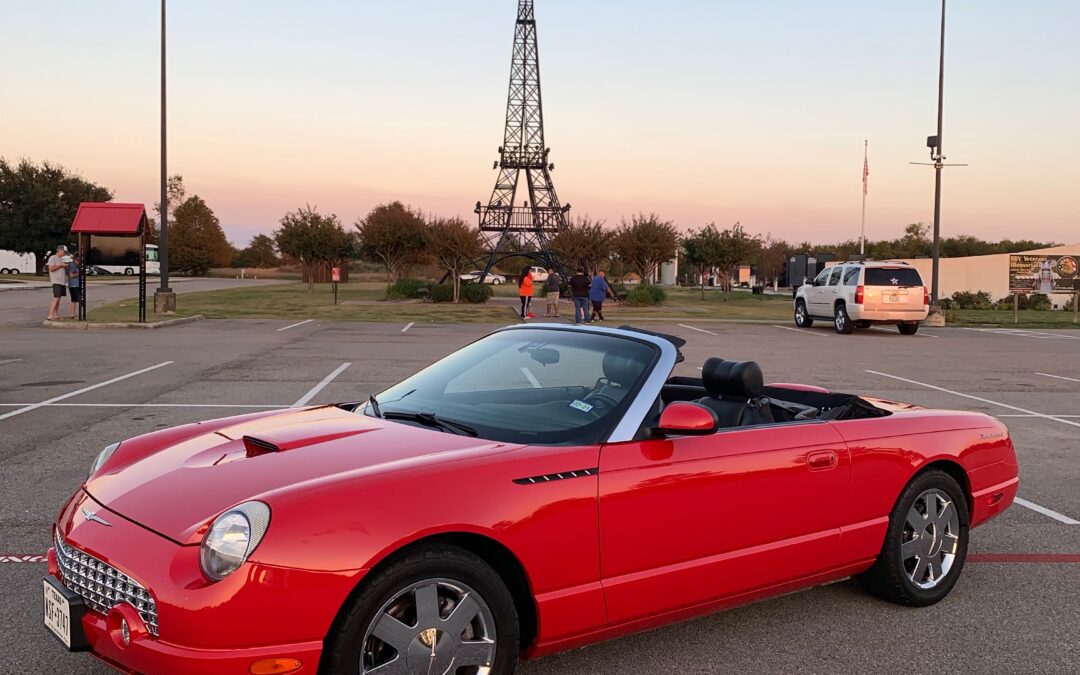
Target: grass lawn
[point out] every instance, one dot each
(356, 302)
(364, 301)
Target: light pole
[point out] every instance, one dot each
(937, 157)
(164, 298)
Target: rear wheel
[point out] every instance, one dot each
(925, 544)
(129, 272)
(440, 609)
(862, 324)
(802, 317)
(842, 321)
(908, 328)
(495, 282)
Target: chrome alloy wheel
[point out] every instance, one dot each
(432, 627)
(931, 534)
(800, 314)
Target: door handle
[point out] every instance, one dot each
(822, 460)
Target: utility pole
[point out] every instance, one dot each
(865, 186)
(164, 298)
(936, 250)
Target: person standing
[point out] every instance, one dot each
(579, 292)
(74, 287)
(58, 277)
(525, 291)
(599, 290)
(554, 283)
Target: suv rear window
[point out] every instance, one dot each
(892, 276)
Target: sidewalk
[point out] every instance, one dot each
(32, 284)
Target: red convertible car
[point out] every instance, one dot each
(542, 488)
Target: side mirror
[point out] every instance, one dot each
(688, 419)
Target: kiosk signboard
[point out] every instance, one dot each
(1045, 274)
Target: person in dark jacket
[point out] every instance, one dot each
(599, 290)
(579, 292)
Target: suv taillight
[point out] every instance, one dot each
(858, 295)
(925, 295)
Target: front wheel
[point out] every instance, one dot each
(495, 282)
(908, 328)
(129, 272)
(802, 317)
(842, 321)
(440, 609)
(925, 544)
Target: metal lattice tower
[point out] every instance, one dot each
(509, 227)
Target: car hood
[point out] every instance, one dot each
(178, 487)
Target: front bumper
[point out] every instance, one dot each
(259, 612)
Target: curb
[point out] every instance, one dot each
(19, 286)
(154, 325)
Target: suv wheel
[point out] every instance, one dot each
(842, 321)
(802, 318)
(908, 328)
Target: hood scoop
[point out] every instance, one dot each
(257, 446)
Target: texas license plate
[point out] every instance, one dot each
(63, 614)
(893, 297)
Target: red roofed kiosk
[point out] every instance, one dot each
(112, 238)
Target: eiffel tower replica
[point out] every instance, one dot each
(513, 224)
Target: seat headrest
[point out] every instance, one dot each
(621, 369)
(732, 378)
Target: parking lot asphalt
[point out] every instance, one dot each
(66, 394)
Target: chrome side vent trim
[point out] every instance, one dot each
(564, 475)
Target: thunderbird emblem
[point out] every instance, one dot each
(895, 281)
(94, 517)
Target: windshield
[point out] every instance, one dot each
(538, 387)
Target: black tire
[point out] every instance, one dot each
(342, 655)
(908, 328)
(802, 317)
(842, 322)
(129, 272)
(889, 578)
(862, 324)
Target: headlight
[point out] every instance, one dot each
(102, 457)
(232, 538)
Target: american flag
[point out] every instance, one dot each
(865, 175)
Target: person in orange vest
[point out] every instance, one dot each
(525, 291)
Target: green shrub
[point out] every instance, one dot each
(1034, 301)
(475, 293)
(406, 289)
(442, 293)
(645, 296)
(969, 300)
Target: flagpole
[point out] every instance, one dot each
(862, 230)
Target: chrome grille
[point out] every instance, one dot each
(102, 586)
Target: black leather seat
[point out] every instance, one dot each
(735, 392)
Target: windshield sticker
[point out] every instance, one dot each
(581, 405)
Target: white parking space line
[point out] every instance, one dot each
(92, 387)
(145, 405)
(1032, 413)
(1059, 377)
(295, 325)
(408, 326)
(700, 330)
(303, 400)
(800, 330)
(1046, 512)
(1021, 332)
(7, 361)
(531, 378)
(886, 330)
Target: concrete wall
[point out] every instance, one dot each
(983, 272)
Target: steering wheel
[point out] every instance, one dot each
(601, 403)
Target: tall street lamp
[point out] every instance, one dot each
(164, 298)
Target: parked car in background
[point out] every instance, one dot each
(16, 263)
(859, 294)
(539, 274)
(491, 278)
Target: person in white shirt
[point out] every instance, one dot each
(59, 277)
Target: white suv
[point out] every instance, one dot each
(857, 294)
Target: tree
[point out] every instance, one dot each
(453, 243)
(736, 247)
(38, 204)
(702, 251)
(196, 240)
(645, 242)
(176, 193)
(583, 243)
(771, 256)
(259, 253)
(313, 239)
(393, 235)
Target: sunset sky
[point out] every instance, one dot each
(698, 110)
